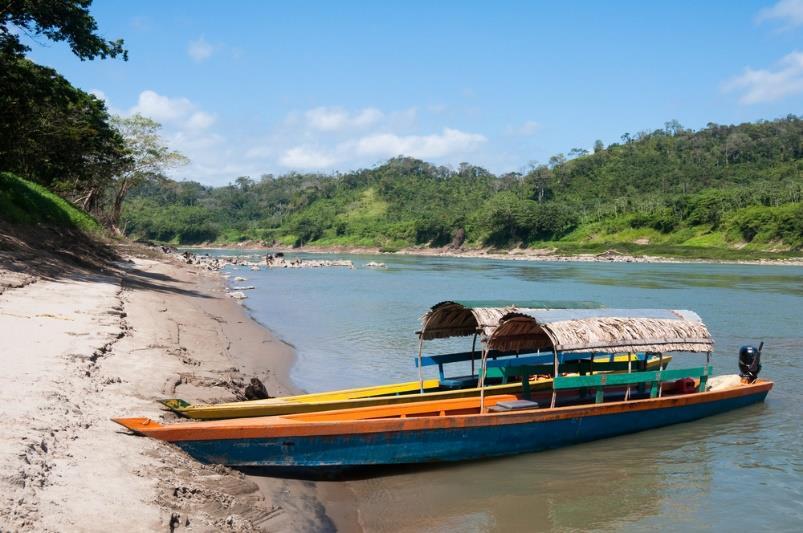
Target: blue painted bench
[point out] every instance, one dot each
(459, 382)
(573, 363)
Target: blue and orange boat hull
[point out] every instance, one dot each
(427, 432)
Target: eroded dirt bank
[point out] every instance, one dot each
(82, 344)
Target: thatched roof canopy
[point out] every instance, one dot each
(608, 330)
(457, 319)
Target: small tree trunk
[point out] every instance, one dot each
(117, 207)
(90, 201)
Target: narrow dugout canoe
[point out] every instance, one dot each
(445, 430)
(367, 396)
(185, 408)
(576, 409)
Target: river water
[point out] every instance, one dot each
(738, 471)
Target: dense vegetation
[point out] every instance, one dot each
(720, 187)
(736, 188)
(52, 132)
(57, 135)
(24, 202)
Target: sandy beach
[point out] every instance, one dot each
(83, 344)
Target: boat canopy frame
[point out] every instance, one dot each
(584, 330)
(563, 327)
(479, 318)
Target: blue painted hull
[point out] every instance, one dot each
(448, 443)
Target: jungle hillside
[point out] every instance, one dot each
(66, 161)
(724, 191)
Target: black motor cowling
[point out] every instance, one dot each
(750, 362)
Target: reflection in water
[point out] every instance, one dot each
(741, 470)
(600, 485)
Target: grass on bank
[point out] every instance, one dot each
(25, 202)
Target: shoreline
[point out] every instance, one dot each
(337, 498)
(84, 344)
(517, 254)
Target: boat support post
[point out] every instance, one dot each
(483, 370)
(420, 366)
(473, 351)
(554, 376)
(629, 370)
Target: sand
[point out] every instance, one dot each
(83, 345)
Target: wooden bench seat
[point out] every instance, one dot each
(653, 378)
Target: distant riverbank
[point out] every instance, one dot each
(607, 255)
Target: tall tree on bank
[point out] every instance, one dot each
(50, 131)
(54, 133)
(147, 158)
(57, 20)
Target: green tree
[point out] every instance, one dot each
(57, 20)
(147, 158)
(598, 146)
(54, 133)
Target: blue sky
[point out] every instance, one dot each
(246, 88)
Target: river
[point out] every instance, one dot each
(738, 471)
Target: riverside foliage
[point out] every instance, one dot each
(720, 187)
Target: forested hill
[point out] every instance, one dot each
(721, 187)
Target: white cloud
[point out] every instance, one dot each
(766, 85)
(317, 139)
(526, 129)
(100, 95)
(306, 158)
(359, 151)
(200, 50)
(174, 111)
(451, 141)
(200, 120)
(161, 108)
(337, 118)
(788, 12)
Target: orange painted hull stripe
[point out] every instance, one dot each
(348, 421)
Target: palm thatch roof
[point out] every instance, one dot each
(568, 327)
(462, 318)
(631, 330)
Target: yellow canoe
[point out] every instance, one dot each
(389, 394)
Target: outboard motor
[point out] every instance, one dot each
(750, 362)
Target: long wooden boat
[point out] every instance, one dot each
(577, 409)
(445, 319)
(394, 394)
(450, 430)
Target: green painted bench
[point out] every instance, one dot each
(580, 363)
(653, 378)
